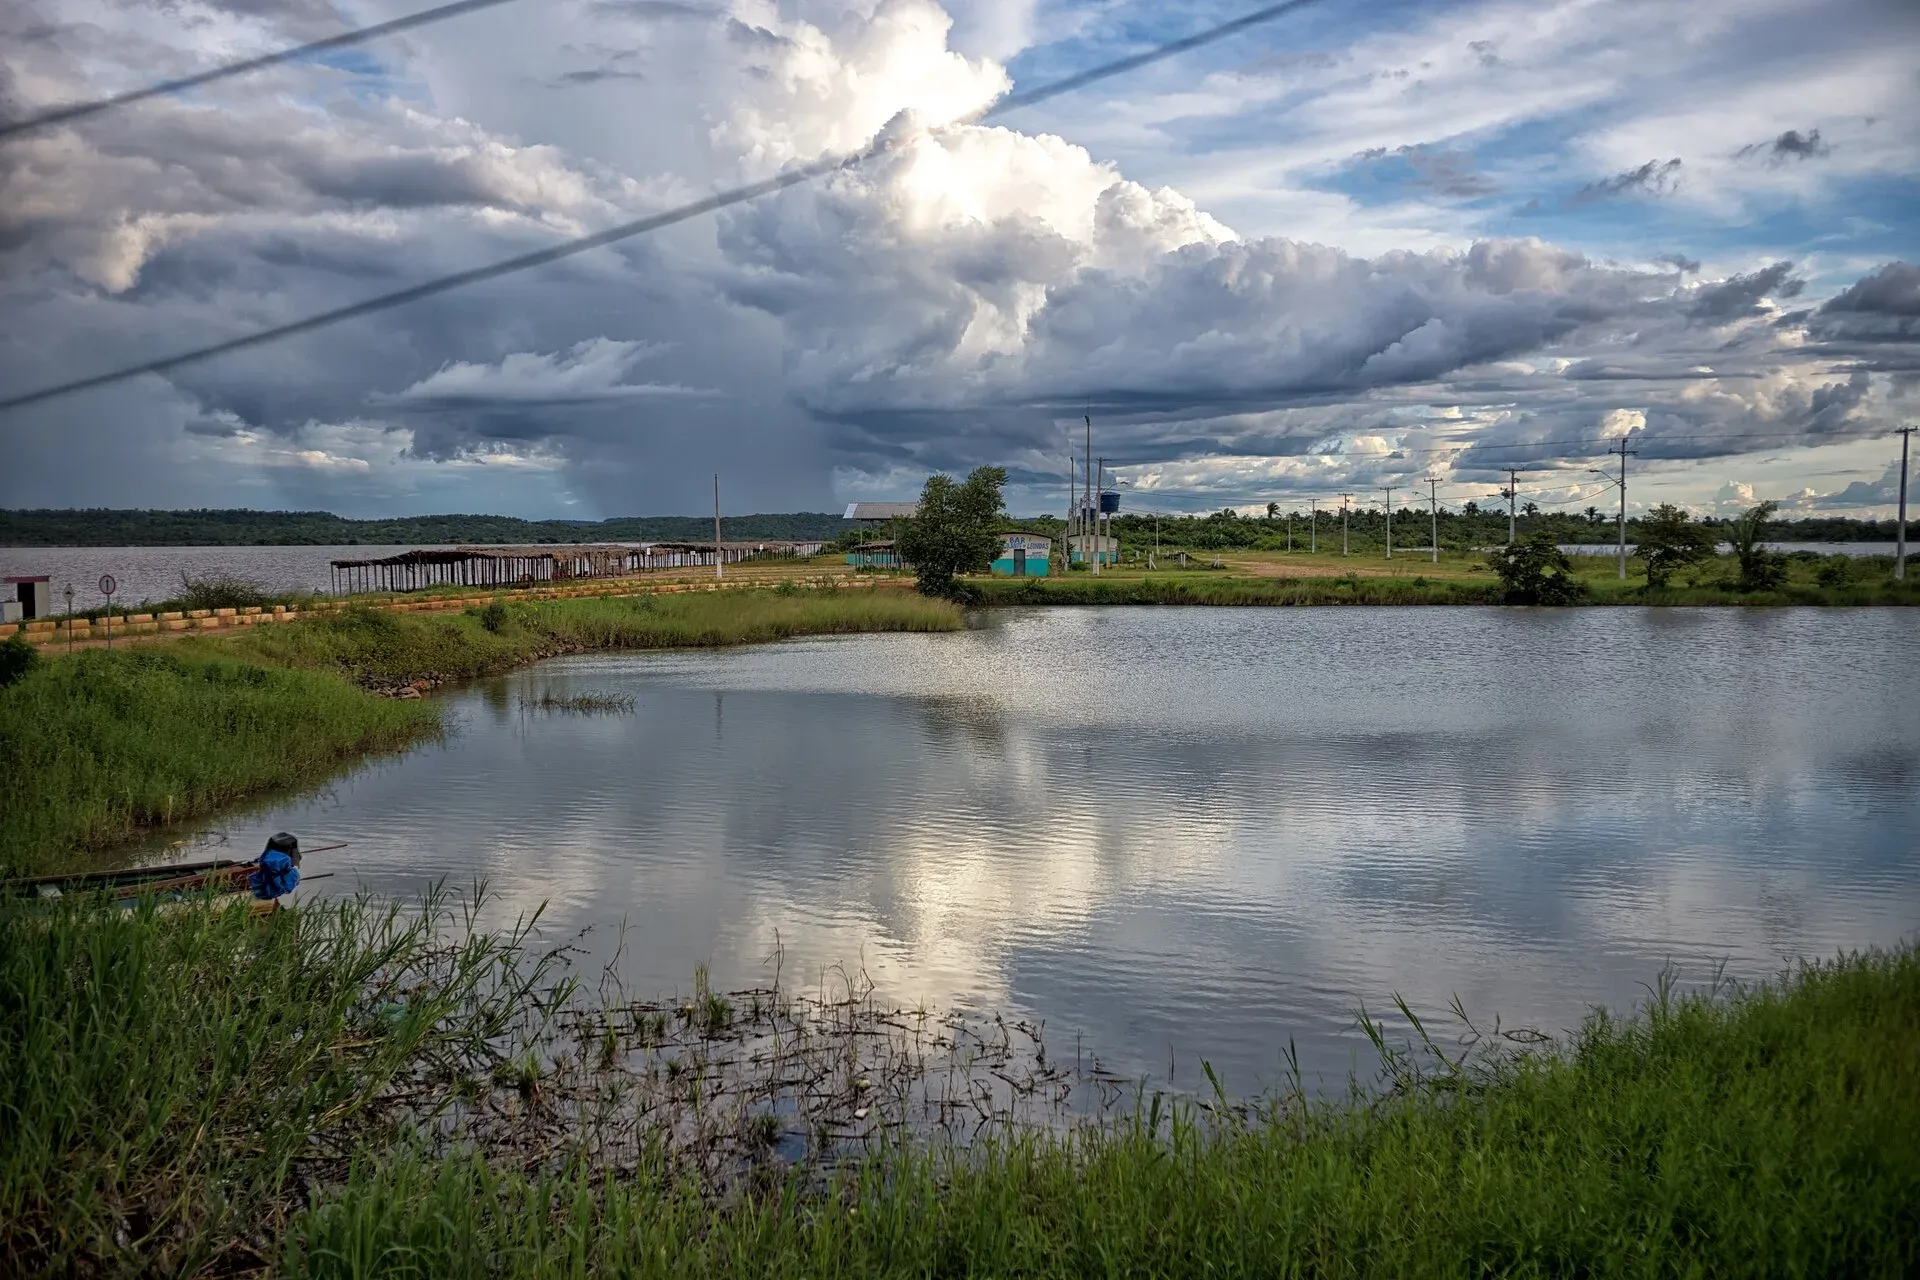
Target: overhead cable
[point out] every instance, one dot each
(653, 222)
(346, 39)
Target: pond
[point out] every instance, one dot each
(1189, 834)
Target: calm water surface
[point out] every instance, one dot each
(1193, 833)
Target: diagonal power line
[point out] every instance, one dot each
(346, 39)
(653, 222)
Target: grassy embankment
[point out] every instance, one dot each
(200, 1091)
(1276, 578)
(98, 746)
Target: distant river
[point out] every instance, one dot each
(154, 573)
(1191, 833)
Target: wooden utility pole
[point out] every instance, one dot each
(1900, 528)
(719, 569)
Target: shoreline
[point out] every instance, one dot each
(99, 749)
(349, 1090)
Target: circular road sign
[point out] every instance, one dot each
(107, 585)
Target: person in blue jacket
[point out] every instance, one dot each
(276, 871)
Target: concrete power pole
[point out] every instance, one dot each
(1343, 522)
(1511, 495)
(1313, 526)
(1099, 498)
(719, 569)
(1433, 510)
(1623, 451)
(1900, 529)
(1389, 490)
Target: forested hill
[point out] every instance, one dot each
(106, 528)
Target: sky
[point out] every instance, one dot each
(1353, 247)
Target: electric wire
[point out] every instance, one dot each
(653, 222)
(346, 39)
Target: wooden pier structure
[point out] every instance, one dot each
(521, 566)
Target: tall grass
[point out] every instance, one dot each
(1775, 1134)
(172, 1081)
(203, 1091)
(96, 746)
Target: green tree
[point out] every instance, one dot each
(1536, 571)
(955, 530)
(1760, 569)
(1669, 539)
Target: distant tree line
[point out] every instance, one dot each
(1460, 529)
(99, 527)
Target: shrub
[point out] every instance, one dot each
(17, 658)
(221, 593)
(1835, 571)
(1535, 571)
(493, 617)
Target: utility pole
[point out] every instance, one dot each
(1433, 510)
(1289, 533)
(1900, 529)
(719, 569)
(1100, 500)
(1511, 494)
(1343, 522)
(1389, 490)
(1623, 451)
(1313, 527)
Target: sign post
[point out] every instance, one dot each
(107, 587)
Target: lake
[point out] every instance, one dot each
(1190, 833)
(155, 573)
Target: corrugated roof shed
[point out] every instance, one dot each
(881, 510)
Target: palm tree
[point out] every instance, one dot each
(1593, 515)
(1273, 509)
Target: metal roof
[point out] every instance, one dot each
(881, 510)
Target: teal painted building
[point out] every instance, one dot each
(874, 555)
(1024, 555)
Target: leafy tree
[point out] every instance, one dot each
(1536, 571)
(1760, 569)
(955, 530)
(1670, 539)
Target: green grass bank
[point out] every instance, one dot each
(205, 1092)
(97, 747)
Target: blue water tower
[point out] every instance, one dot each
(1109, 502)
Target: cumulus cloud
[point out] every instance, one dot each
(962, 298)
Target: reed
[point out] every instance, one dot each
(580, 703)
(343, 1091)
(98, 746)
(1773, 1131)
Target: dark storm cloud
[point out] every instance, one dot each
(1791, 145)
(1882, 308)
(1741, 296)
(1654, 178)
(1680, 262)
